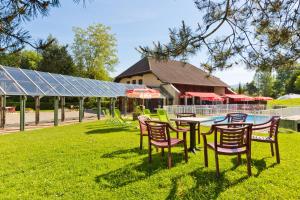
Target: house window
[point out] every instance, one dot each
(128, 82)
(133, 81)
(141, 81)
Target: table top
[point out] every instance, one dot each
(192, 119)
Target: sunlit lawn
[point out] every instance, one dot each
(96, 161)
(284, 102)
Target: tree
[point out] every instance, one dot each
(264, 83)
(13, 37)
(30, 59)
(240, 89)
(95, 51)
(26, 59)
(251, 88)
(262, 34)
(56, 59)
(297, 84)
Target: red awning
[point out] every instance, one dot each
(263, 98)
(204, 96)
(239, 97)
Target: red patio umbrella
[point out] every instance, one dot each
(143, 93)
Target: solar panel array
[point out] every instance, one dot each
(16, 81)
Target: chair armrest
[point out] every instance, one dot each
(218, 121)
(260, 127)
(178, 129)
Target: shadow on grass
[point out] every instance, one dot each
(259, 164)
(109, 129)
(124, 153)
(135, 172)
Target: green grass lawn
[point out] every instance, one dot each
(95, 161)
(284, 102)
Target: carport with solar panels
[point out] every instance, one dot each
(30, 83)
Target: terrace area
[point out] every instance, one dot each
(94, 160)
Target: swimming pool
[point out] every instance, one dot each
(255, 119)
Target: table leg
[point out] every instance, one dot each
(192, 138)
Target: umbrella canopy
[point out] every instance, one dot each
(260, 98)
(289, 96)
(143, 93)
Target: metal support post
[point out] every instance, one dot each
(56, 103)
(3, 111)
(99, 108)
(37, 109)
(22, 112)
(62, 108)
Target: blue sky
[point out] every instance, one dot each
(134, 23)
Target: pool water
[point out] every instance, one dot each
(255, 119)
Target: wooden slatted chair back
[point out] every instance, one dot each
(275, 120)
(180, 115)
(158, 131)
(232, 137)
(142, 122)
(237, 117)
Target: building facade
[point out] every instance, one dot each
(174, 79)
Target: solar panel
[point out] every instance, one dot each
(89, 86)
(79, 86)
(74, 91)
(41, 83)
(8, 86)
(16, 81)
(24, 81)
(104, 87)
(54, 83)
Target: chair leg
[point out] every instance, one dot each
(150, 153)
(249, 163)
(141, 142)
(272, 149)
(169, 158)
(177, 135)
(217, 164)
(185, 151)
(277, 152)
(205, 156)
(199, 135)
(162, 152)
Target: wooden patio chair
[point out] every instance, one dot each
(159, 136)
(143, 128)
(272, 126)
(186, 125)
(233, 118)
(229, 139)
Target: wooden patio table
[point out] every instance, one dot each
(192, 121)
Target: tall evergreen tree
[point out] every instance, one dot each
(261, 34)
(56, 59)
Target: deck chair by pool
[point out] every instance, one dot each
(146, 112)
(162, 115)
(120, 120)
(108, 118)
